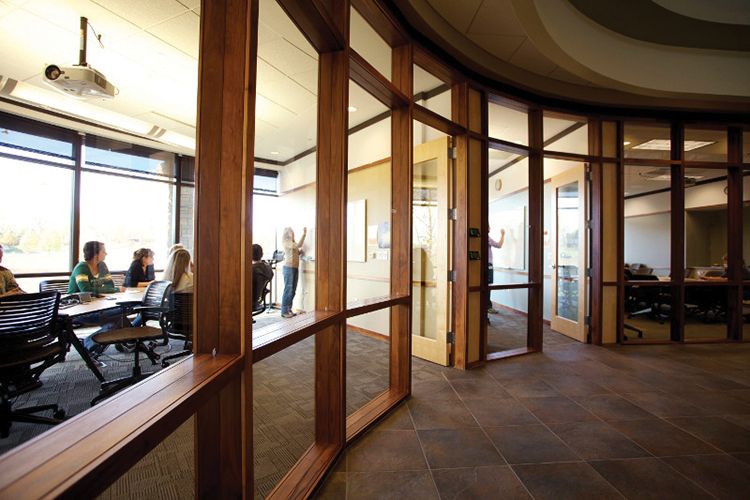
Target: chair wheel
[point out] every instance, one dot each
(59, 414)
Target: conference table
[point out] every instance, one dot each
(104, 303)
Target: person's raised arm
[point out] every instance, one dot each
(302, 240)
(502, 239)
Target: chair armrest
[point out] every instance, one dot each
(150, 308)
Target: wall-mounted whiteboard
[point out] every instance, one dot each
(513, 253)
(356, 231)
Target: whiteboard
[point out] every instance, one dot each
(513, 253)
(356, 231)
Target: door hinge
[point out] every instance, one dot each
(452, 154)
(451, 276)
(587, 321)
(588, 224)
(451, 337)
(588, 272)
(588, 175)
(452, 214)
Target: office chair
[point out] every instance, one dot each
(177, 324)
(29, 344)
(54, 286)
(154, 302)
(118, 279)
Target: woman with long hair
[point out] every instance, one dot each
(141, 270)
(291, 269)
(178, 271)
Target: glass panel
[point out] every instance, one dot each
(705, 223)
(508, 124)
(507, 326)
(651, 141)
(705, 145)
(168, 469)
(369, 198)
(367, 43)
(429, 231)
(110, 154)
(648, 312)
(122, 230)
(36, 217)
(431, 92)
(706, 312)
(746, 219)
(568, 134)
(187, 217)
(368, 342)
(285, 134)
(568, 199)
(647, 221)
(283, 412)
(35, 147)
(508, 218)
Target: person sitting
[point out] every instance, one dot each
(8, 284)
(178, 271)
(262, 274)
(141, 271)
(92, 275)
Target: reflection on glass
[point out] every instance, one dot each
(567, 251)
(564, 133)
(426, 245)
(36, 238)
(367, 358)
(367, 43)
(706, 312)
(369, 198)
(705, 223)
(647, 225)
(705, 145)
(508, 217)
(431, 92)
(508, 124)
(651, 141)
(187, 217)
(648, 310)
(507, 326)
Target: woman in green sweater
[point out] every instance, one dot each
(92, 275)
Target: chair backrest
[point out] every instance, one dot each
(178, 322)
(28, 326)
(118, 279)
(54, 286)
(156, 295)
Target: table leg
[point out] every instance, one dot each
(85, 355)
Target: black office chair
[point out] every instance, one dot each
(29, 344)
(54, 286)
(154, 303)
(260, 302)
(177, 324)
(118, 279)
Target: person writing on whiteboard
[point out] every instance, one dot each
(490, 268)
(291, 269)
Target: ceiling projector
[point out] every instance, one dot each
(79, 81)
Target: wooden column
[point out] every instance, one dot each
(734, 232)
(222, 243)
(596, 293)
(536, 229)
(677, 259)
(401, 226)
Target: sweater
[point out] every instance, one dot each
(136, 275)
(81, 279)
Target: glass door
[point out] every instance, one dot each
(431, 246)
(569, 238)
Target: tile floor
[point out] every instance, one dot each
(576, 421)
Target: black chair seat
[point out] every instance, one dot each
(31, 357)
(127, 335)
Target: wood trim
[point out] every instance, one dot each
(75, 223)
(510, 286)
(596, 190)
(381, 21)
(436, 121)
(82, 456)
(315, 22)
(536, 228)
(304, 476)
(677, 220)
(367, 77)
(437, 68)
(508, 146)
(366, 416)
(510, 353)
(278, 336)
(367, 333)
(364, 306)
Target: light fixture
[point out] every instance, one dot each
(351, 109)
(274, 152)
(665, 145)
(626, 143)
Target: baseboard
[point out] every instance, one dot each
(368, 333)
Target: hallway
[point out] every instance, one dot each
(576, 421)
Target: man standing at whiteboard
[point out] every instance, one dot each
(490, 268)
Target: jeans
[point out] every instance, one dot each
(291, 275)
(109, 320)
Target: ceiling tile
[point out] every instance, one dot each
(496, 17)
(143, 13)
(566, 76)
(529, 58)
(501, 46)
(458, 13)
(181, 32)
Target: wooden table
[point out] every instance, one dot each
(97, 304)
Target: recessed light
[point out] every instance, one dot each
(274, 152)
(626, 143)
(665, 145)
(351, 109)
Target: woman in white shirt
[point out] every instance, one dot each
(178, 271)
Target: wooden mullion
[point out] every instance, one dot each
(596, 292)
(507, 146)
(536, 229)
(75, 223)
(401, 222)
(460, 286)
(436, 121)
(734, 233)
(322, 30)
(435, 67)
(381, 21)
(367, 77)
(677, 221)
